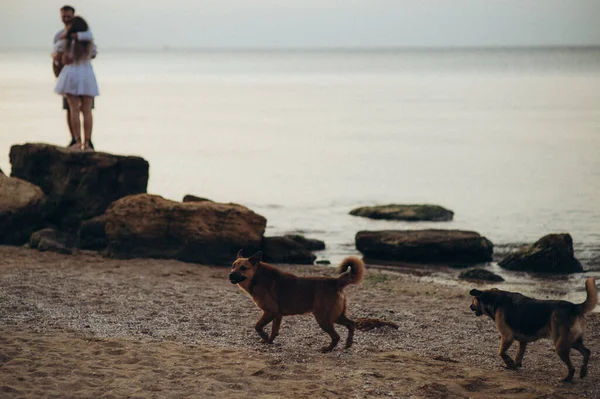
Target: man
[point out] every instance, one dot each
(66, 15)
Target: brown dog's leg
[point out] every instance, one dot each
(275, 328)
(350, 325)
(586, 353)
(505, 343)
(520, 354)
(335, 337)
(563, 352)
(265, 319)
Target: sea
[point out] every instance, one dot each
(509, 139)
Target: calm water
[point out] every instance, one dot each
(509, 140)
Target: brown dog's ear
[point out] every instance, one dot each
(476, 293)
(255, 259)
(240, 254)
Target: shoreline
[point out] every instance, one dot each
(87, 326)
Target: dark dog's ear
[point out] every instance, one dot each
(240, 254)
(476, 293)
(256, 258)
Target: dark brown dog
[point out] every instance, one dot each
(279, 294)
(525, 320)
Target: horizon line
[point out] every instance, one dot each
(167, 48)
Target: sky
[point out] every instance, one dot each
(28, 24)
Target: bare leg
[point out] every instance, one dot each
(578, 346)
(69, 124)
(505, 343)
(520, 354)
(275, 328)
(74, 110)
(350, 325)
(265, 319)
(88, 121)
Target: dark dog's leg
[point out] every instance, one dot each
(505, 343)
(335, 337)
(265, 319)
(275, 328)
(563, 352)
(520, 354)
(350, 325)
(586, 353)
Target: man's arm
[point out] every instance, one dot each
(57, 54)
(88, 37)
(85, 36)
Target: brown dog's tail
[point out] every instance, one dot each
(592, 296)
(356, 273)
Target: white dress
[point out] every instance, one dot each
(78, 78)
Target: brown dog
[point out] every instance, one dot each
(278, 293)
(525, 320)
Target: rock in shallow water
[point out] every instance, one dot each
(79, 185)
(550, 254)
(425, 245)
(480, 274)
(204, 232)
(409, 213)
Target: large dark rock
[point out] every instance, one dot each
(409, 213)
(425, 245)
(285, 250)
(92, 235)
(550, 254)
(21, 210)
(50, 239)
(79, 185)
(205, 232)
(480, 274)
(311, 244)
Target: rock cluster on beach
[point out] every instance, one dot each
(60, 200)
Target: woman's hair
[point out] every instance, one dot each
(80, 49)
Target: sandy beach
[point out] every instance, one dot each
(85, 326)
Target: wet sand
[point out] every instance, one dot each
(84, 326)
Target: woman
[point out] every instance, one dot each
(77, 81)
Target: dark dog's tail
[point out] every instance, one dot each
(356, 273)
(592, 297)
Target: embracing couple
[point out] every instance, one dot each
(73, 50)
